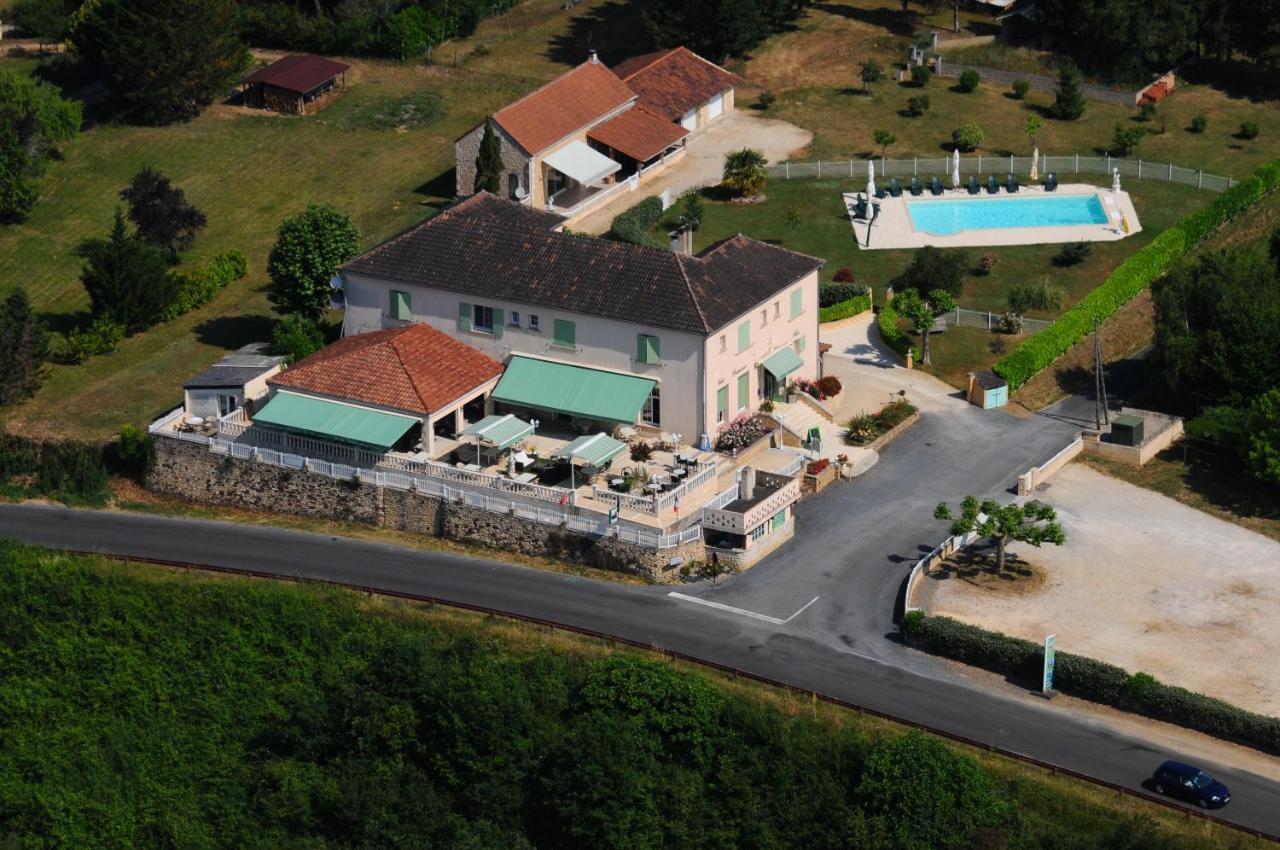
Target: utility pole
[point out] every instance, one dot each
(1100, 413)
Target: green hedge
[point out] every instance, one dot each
(845, 309)
(1093, 680)
(1132, 276)
(892, 335)
(632, 225)
(197, 286)
(74, 473)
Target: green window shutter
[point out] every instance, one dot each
(744, 336)
(464, 317)
(400, 305)
(780, 518)
(499, 318)
(799, 345)
(797, 303)
(744, 385)
(647, 348)
(564, 333)
(722, 403)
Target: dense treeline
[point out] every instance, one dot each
(718, 29)
(147, 711)
(1125, 40)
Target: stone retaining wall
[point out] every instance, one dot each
(191, 471)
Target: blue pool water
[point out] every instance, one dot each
(943, 218)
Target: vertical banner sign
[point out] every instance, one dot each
(1048, 662)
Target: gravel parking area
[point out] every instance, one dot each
(1148, 584)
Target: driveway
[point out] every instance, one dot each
(703, 164)
(1146, 583)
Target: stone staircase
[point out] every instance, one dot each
(796, 420)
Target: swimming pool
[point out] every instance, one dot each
(944, 218)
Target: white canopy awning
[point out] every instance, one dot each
(582, 162)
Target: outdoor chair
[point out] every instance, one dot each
(860, 208)
(881, 192)
(993, 185)
(895, 187)
(973, 185)
(935, 186)
(916, 188)
(1011, 184)
(1051, 182)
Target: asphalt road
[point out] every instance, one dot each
(647, 615)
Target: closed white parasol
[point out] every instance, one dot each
(871, 178)
(955, 170)
(1035, 170)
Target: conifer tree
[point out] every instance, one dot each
(489, 162)
(24, 347)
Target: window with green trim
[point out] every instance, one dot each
(744, 384)
(464, 317)
(744, 336)
(400, 305)
(797, 302)
(564, 333)
(722, 404)
(780, 518)
(647, 349)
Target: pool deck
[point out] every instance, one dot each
(894, 228)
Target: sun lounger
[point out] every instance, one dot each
(1011, 184)
(993, 185)
(935, 186)
(1051, 183)
(973, 185)
(895, 187)
(916, 188)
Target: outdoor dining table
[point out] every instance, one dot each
(679, 472)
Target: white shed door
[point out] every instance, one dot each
(689, 120)
(715, 108)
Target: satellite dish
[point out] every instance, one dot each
(521, 194)
(335, 282)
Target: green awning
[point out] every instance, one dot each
(782, 362)
(575, 390)
(593, 449)
(334, 420)
(499, 431)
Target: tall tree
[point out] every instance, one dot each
(160, 212)
(47, 20)
(24, 348)
(744, 172)
(309, 248)
(489, 162)
(870, 72)
(164, 59)
(883, 138)
(34, 121)
(1035, 523)
(934, 268)
(717, 29)
(128, 281)
(1068, 101)
(923, 311)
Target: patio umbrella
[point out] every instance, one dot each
(871, 178)
(1035, 172)
(955, 170)
(1115, 180)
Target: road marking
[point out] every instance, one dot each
(742, 611)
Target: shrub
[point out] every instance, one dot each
(895, 413)
(741, 432)
(641, 451)
(828, 386)
(1021, 88)
(834, 293)
(1248, 130)
(197, 286)
(967, 137)
(74, 473)
(100, 337)
(632, 225)
(134, 451)
(887, 324)
(1199, 124)
(843, 275)
(1146, 111)
(921, 75)
(861, 429)
(1035, 296)
(934, 268)
(296, 336)
(969, 80)
(845, 309)
(816, 467)
(917, 105)
(1073, 253)
(1068, 102)
(987, 262)
(1125, 140)
(1009, 323)
(767, 99)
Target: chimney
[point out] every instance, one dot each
(594, 57)
(747, 483)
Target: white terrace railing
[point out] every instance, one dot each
(658, 502)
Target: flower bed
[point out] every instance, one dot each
(866, 428)
(741, 432)
(821, 389)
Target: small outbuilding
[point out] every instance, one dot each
(292, 82)
(237, 380)
(988, 390)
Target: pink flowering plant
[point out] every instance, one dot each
(741, 432)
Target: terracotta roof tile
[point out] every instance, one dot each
(672, 83)
(566, 104)
(297, 72)
(638, 133)
(414, 368)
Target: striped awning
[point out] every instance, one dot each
(782, 362)
(334, 420)
(499, 431)
(593, 449)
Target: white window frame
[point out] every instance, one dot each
(476, 311)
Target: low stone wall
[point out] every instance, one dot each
(1167, 429)
(881, 442)
(191, 471)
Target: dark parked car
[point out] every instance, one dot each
(1191, 784)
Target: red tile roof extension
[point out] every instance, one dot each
(567, 103)
(673, 82)
(638, 134)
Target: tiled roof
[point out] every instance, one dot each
(297, 72)
(414, 368)
(638, 133)
(496, 249)
(568, 103)
(673, 82)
